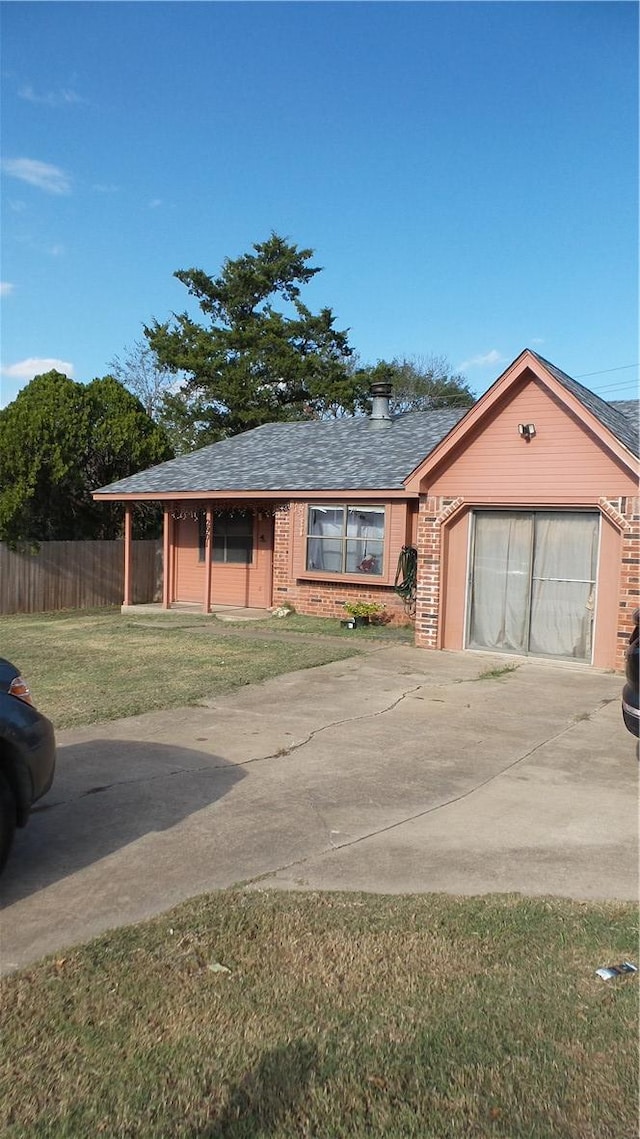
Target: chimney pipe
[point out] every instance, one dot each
(380, 413)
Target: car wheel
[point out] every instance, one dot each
(7, 819)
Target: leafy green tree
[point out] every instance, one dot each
(59, 441)
(420, 383)
(253, 363)
(123, 439)
(188, 421)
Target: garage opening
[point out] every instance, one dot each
(532, 582)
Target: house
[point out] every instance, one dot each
(523, 511)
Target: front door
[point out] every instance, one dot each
(532, 582)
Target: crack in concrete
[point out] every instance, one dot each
(282, 753)
(421, 814)
(227, 766)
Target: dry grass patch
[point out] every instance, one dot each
(89, 667)
(340, 1016)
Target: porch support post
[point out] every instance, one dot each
(208, 543)
(167, 557)
(128, 582)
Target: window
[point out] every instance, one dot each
(345, 539)
(232, 538)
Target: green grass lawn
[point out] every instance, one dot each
(251, 1014)
(85, 667)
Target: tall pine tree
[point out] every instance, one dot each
(253, 362)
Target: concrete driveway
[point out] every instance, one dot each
(401, 770)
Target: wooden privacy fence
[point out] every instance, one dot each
(77, 575)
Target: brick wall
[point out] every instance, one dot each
(429, 567)
(321, 598)
(628, 511)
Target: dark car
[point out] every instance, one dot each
(630, 690)
(27, 755)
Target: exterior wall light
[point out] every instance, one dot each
(527, 430)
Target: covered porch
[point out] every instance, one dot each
(217, 557)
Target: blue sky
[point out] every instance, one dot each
(465, 172)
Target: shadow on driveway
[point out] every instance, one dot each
(107, 794)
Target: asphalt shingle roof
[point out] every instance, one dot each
(628, 407)
(336, 454)
(618, 422)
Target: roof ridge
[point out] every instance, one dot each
(621, 427)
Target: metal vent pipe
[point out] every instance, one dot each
(381, 394)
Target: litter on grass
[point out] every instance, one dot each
(609, 971)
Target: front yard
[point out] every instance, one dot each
(245, 1014)
(87, 667)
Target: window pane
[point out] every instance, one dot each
(326, 520)
(233, 538)
(325, 554)
(345, 539)
(365, 522)
(364, 556)
(236, 550)
(365, 532)
(325, 541)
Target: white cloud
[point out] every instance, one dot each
(40, 174)
(483, 361)
(154, 203)
(25, 370)
(536, 340)
(105, 188)
(65, 97)
(6, 288)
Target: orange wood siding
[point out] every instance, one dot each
(455, 545)
(231, 584)
(564, 463)
(605, 629)
(189, 573)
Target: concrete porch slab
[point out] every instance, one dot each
(222, 612)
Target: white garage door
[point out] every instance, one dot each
(532, 582)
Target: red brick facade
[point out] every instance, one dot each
(628, 510)
(430, 517)
(321, 598)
